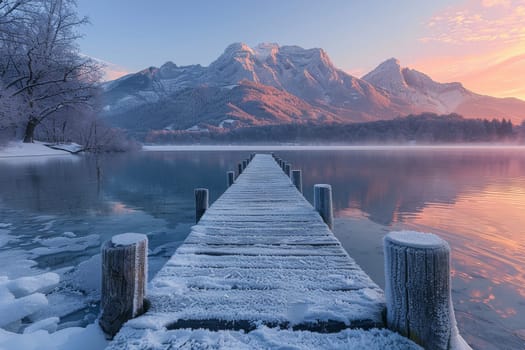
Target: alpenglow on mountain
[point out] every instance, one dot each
(272, 84)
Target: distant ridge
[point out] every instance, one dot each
(271, 84)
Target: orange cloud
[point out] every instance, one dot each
(479, 43)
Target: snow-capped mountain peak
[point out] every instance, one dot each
(388, 75)
(269, 83)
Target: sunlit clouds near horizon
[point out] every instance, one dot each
(479, 43)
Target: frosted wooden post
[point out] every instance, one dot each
(273, 155)
(252, 156)
(297, 179)
(201, 202)
(239, 169)
(124, 276)
(419, 302)
(244, 164)
(287, 169)
(230, 177)
(323, 203)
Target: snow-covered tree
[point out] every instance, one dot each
(41, 66)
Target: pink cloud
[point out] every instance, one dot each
(479, 43)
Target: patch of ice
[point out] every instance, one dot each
(69, 234)
(4, 237)
(27, 285)
(64, 244)
(49, 324)
(17, 309)
(89, 338)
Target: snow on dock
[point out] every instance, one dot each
(260, 259)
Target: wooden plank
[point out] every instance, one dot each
(261, 254)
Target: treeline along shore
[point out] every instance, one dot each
(423, 128)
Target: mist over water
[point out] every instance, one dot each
(473, 198)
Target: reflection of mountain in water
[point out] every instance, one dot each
(61, 185)
(162, 184)
(391, 185)
(387, 185)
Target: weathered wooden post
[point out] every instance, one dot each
(201, 202)
(297, 179)
(287, 169)
(323, 203)
(252, 156)
(418, 297)
(244, 164)
(239, 169)
(124, 277)
(230, 178)
(273, 155)
(283, 164)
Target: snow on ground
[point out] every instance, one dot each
(261, 338)
(68, 147)
(20, 149)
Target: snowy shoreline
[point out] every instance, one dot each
(37, 149)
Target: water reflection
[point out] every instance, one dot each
(474, 199)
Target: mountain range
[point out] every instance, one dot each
(272, 84)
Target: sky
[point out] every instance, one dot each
(480, 43)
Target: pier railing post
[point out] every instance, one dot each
(239, 169)
(201, 202)
(244, 164)
(124, 277)
(418, 296)
(287, 169)
(323, 203)
(297, 180)
(230, 175)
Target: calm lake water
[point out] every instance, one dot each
(55, 213)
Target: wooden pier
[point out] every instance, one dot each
(260, 256)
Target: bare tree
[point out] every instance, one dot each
(41, 65)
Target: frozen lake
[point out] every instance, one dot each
(55, 213)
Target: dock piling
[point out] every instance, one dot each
(323, 203)
(201, 202)
(230, 175)
(297, 180)
(418, 296)
(287, 169)
(124, 277)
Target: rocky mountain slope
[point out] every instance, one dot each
(272, 84)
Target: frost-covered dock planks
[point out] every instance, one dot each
(260, 255)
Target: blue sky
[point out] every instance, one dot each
(357, 34)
